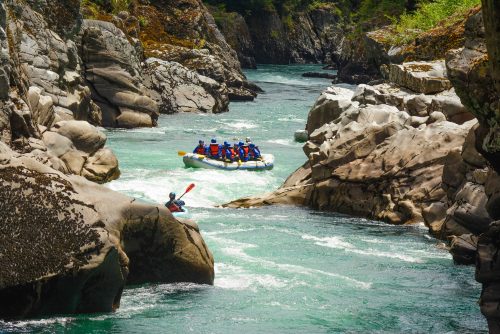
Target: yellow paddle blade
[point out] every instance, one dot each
(181, 153)
(201, 156)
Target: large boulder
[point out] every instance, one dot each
(182, 90)
(77, 147)
(70, 246)
(420, 77)
(113, 71)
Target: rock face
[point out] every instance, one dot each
(374, 153)
(235, 30)
(69, 246)
(183, 31)
(475, 73)
(113, 71)
(182, 90)
(310, 36)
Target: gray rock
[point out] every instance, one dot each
(182, 90)
(77, 243)
(84, 136)
(301, 136)
(420, 77)
(113, 72)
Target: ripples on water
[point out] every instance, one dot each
(278, 270)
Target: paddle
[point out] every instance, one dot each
(183, 153)
(188, 189)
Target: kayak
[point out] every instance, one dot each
(181, 214)
(201, 161)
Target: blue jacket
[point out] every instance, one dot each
(205, 150)
(254, 153)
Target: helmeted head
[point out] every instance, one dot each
(213, 141)
(251, 145)
(201, 142)
(235, 145)
(171, 195)
(241, 143)
(248, 140)
(226, 144)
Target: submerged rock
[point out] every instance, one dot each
(70, 246)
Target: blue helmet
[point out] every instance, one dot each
(171, 195)
(241, 143)
(201, 142)
(251, 145)
(226, 143)
(213, 141)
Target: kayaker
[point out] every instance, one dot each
(214, 149)
(245, 149)
(174, 205)
(254, 152)
(201, 148)
(227, 154)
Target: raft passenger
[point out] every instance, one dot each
(254, 152)
(214, 149)
(201, 148)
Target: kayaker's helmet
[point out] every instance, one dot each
(171, 195)
(226, 144)
(248, 140)
(241, 143)
(213, 141)
(251, 145)
(201, 142)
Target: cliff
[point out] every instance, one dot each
(70, 245)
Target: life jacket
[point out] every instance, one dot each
(173, 207)
(200, 150)
(246, 150)
(233, 152)
(214, 150)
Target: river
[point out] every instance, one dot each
(278, 269)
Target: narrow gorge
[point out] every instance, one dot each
(373, 224)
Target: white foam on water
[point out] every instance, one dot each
(213, 187)
(284, 142)
(236, 278)
(292, 119)
(237, 250)
(338, 243)
(330, 242)
(25, 324)
(392, 255)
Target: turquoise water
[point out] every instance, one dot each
(278, 270)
